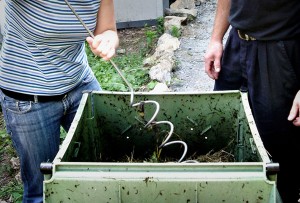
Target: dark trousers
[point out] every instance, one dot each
(270, 72)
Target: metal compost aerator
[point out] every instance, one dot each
(140, 105)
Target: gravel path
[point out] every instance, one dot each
(190, 75)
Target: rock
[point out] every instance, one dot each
(163, 60)
(189, 14)
(18, 177)
(171, 21)
(160, 87)
(185, 54)
(15, 162)
(166, 46)
(160, 73)
(189, 75)
(186, 4)
(121, 51)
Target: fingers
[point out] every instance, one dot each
(211, 70)
(296, 121)
(294, 115)
(89, 40)
(213, 67)
(103, 45)
(212, 59)
(217, 65)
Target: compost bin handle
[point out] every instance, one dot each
(46, 168)
(272, 168)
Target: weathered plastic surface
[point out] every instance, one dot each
(96, 160)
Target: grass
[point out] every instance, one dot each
(175, 31)
(10, 188)
(131, 64)
(131, 67)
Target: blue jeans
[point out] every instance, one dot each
(35, 131)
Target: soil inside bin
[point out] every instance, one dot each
(223, 155)
(122, 140)
(135, 149)
(158, 156)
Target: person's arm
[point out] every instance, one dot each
(215, 48)
(106, 37)
(295, 110)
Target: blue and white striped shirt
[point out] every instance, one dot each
(43, 51)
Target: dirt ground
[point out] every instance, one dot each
(132, 40)
(189, 76)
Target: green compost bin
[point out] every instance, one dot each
(117, 152)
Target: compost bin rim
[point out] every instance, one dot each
(171, 93)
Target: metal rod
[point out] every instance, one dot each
(111, 61)
(125, 80)
(78, 17)
(151, 121)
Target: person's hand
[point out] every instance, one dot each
(212, 59)
(104, 44)
(294, 115)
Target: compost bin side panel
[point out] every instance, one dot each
(207, 123)
(85, 142)
(211, 118)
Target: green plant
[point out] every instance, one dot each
(130, 64)
(151, 35)
(160, 25)
(12, 190)
(131, 67)
(6, 147)
(175, 31)
(63, 134)
(151, 84)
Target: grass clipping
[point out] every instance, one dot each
(222, 155)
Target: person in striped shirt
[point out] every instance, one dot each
(44, 70)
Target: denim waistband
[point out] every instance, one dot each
(34, 98)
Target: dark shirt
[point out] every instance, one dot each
(266, 19)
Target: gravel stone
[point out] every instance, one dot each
(190, 74)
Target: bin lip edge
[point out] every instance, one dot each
(72, 129)
(253, 129)
(174, 164)
(244, 100)
(171, 93)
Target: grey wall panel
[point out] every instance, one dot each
(135, 13)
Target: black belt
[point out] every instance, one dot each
(34, 98)
(244, 36)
